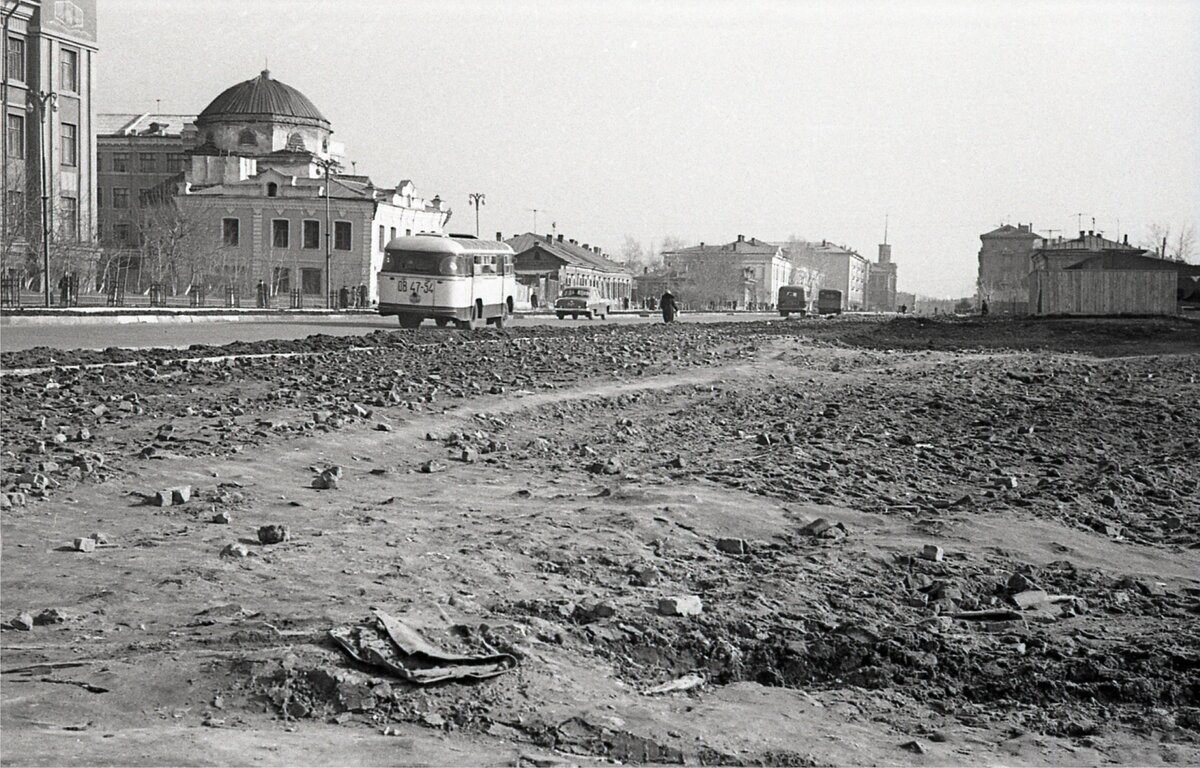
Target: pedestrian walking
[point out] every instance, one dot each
(668, 306)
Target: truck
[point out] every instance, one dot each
(829, 302)
(792, 300)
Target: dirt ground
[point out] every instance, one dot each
(913, 542)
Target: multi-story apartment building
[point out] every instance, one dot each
(841, 269)
(1004, 265)
(135, 155)
(48, 60)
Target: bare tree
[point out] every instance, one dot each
(177, 247)
(1183, 246)
(712, 281)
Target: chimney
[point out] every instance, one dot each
(1090, 233)
(587, 247)
(572, 241)
(1126, 240)
(1081, 234)
(701, 243)
(499, 238)
(741, 238)
(823, 243)
(550, 238)
(560, 238)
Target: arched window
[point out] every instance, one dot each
(247, 138)
(295, 143)
(272, 189)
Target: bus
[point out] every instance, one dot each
(792, 299)
(447, 278)
(829, 302)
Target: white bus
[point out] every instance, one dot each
(447, 278)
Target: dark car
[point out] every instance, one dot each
(576, 300)
(792, 301)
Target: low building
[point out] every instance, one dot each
(1005, 257)
(1111, 281)
(1061, 253)
(743, 274)
(546, 264)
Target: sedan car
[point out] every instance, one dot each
(576, 300)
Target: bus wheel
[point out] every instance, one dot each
(442, 322)
(408, 321)
(500, 320)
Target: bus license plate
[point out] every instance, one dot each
(416, 286)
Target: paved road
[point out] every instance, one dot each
(182, 335)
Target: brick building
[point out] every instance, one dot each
(1005, 259)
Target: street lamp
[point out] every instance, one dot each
(476, 199)
(39, 103)
(328, 286)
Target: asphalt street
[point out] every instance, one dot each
(101, 335)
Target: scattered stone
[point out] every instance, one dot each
(1030, 598)
(681, 605)
(610, 467)
(733, 546)
(469, 456)
(235, 550)
(50, 616)
(85, 544)
(432, 466)
(645, 577)
(1007, 482)
(23, 622)
(383, 427)
(101, 539)
(932, 552)
(816, 527)
(180, 494)
(221, 518)
(329, 479)
(273, 534)
(914, 746)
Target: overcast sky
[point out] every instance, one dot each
(705, 120)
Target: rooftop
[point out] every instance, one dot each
(263, 98)
(569, 252)
(143, 124)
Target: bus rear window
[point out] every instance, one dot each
(422, 263)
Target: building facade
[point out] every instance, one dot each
(264, 184)
(1005, 259)
(840, 268)
(49, 66)
(743, 274)
(546, 264)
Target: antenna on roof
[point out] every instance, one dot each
(885, 223)
(158, 105)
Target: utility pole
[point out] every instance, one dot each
(39, 103)
(535, 213)
(1079, 221)
(477, 199)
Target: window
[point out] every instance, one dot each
(312, 234)
(120, 197)
(177, 162)
(16, 136)
(121, 233)
(231, 231)
(310, 281)
(68, 61)
(247, 138)
(408, 233)
(148, 162)
(69, 217)
(341, 235)
(382, 242)
(393, 235)
(120, 162)
(69, 138)
(279, 233)
(272, 190)
(282, 279)
(16, 58)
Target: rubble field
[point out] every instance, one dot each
(925, 541)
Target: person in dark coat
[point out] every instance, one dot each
(668, 306)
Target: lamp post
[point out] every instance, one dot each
(39, 103)
(476, 199)
(328, 285)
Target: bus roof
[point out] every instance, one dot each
(434, 243)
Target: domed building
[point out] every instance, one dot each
(266, 181)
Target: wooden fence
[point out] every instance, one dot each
(1103, 292)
